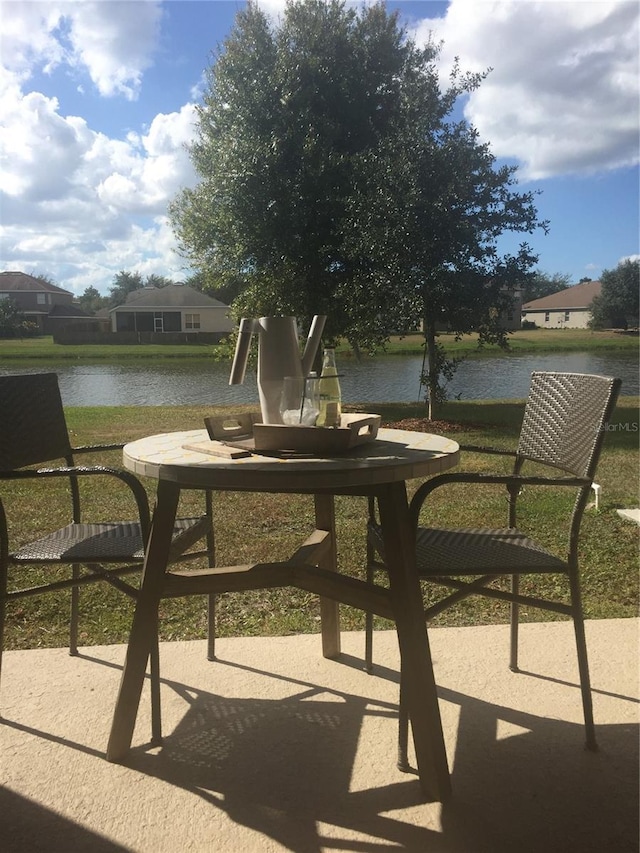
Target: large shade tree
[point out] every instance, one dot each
(617, 304)
(334, 180)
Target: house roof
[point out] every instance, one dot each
(577, 296)
(20, 281)
(171, 296)
(68, 311)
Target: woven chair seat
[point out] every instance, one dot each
(476, 550)
(110, 542)
(482, 550)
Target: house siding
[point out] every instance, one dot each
(35, 298)
(578, 318)
(565, 309)
(176, 308)
(143, 320)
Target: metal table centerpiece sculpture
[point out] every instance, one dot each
(278, 356)
(279, 359)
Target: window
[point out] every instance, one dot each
(158, 325)
(546, 316)
(172, 321)
(41, 298)
(192, 321)
(566, 316)
(144, 321)
(125, 321)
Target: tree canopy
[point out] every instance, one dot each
(13, 323)
(542, 284)
(91, 300)
(125, 283)
(334, 180)
(617, 305)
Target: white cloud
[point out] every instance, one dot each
(28, 36)
(563, 94)
(78, 205)
(115, 42)
(41, 150)
(152, 167)
(77, 260)
(112, 41)
(274, 9)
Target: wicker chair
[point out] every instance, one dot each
(33, 432)
(563, 428)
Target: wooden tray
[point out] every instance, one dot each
(245, 431)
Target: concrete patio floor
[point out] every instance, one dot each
(274, 748)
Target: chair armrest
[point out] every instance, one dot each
(96, 448)
(477, 448)
(513, 482)
(129, 479)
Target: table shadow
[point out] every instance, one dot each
(291, 770)
(284, 768)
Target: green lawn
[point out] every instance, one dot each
(527, 341)
(258, 527)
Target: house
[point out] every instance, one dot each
(175, 308)
(567, 309)
(46, 305)
(510, 317)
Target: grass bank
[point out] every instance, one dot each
(524, 341)
(261, 527)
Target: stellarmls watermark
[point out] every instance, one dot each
(627, 426)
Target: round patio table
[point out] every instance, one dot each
(379, 469)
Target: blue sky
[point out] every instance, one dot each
(97, 103)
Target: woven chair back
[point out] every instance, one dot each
(565, 420)
(33, 429)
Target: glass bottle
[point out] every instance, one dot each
(330, 395)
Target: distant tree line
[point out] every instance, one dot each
(125, 283)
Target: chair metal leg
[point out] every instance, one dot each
(368, 621)
(3, 607)
(403, 732)
(368, 643)
(515, 618)
(211, 627)
(73, 623)
(156, 714)
(583, 662)
(211, 562)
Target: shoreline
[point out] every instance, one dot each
(524, 342)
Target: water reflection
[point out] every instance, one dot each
(383, 379)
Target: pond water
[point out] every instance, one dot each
(383, 379)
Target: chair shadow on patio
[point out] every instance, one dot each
(290, 768)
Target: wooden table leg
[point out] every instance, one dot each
(417, 669)
(329, 610)
(145, 621)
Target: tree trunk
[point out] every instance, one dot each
(432, 366)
